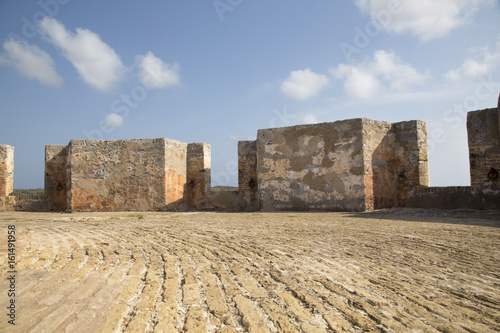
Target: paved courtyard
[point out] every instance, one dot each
(393, 271)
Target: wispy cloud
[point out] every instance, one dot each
(386, 74)
(96, 62)
(304, 84)
(426, 19)
(31, 62)
(484, 63)
(309, 119)
(154, 73)
(113, 120)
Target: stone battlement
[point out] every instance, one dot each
(348, 165)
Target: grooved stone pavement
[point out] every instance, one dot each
(388, 271)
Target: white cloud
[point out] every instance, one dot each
(96, 62)
(303, 84)
(309, 119)
(154, 73)
(427, 19)
(113, 120)
(31, 62)
(472, 68)
(387, 74)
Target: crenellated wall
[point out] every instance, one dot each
(349, 165)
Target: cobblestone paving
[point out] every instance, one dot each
(253, 272)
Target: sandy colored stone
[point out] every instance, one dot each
(397, 270)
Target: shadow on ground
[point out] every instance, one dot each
(488, 218)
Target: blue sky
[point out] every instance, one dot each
(217, 71)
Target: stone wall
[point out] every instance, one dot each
(247, 174)
(199, 192)
(175, 176)
(6, 170)
(355, 165)
(225, 199)
(483, 129)
(126, 175)
(411, 157)
(28, 203)
(450, 197)
(381, 183)
(25, 203)
(311, 167)
(56, 177)
(349, 165)
(198, 175)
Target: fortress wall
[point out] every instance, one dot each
(247, 174)
(121, 175)
(175, 175)
(56, 177)
(381, 185)
(451, 197)
(28, 203)
(484, 145)
(411, 154)
(225, 200)
(6, 170)
(198, 175)
(311, 167)
(483, 129)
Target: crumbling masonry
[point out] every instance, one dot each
(349, 165)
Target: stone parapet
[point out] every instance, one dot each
(349, 165)
(6, 170)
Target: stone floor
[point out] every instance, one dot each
(388, 271)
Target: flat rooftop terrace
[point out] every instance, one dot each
(391, 271)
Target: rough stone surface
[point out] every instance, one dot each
(317, 166)
(357, 165)
(6, 170)
(56, 177)
(483, 128)
(198, 175)
(411, 157)
(139, 174)
(247, 174)
(389, 271)
(116, 175)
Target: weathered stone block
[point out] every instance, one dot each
(56, 177)
(381, 187)
(483, 131)
(6, 170)
(247, 174)
(411, 153)
(311, 167)
(138, 174)
(198, 175)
